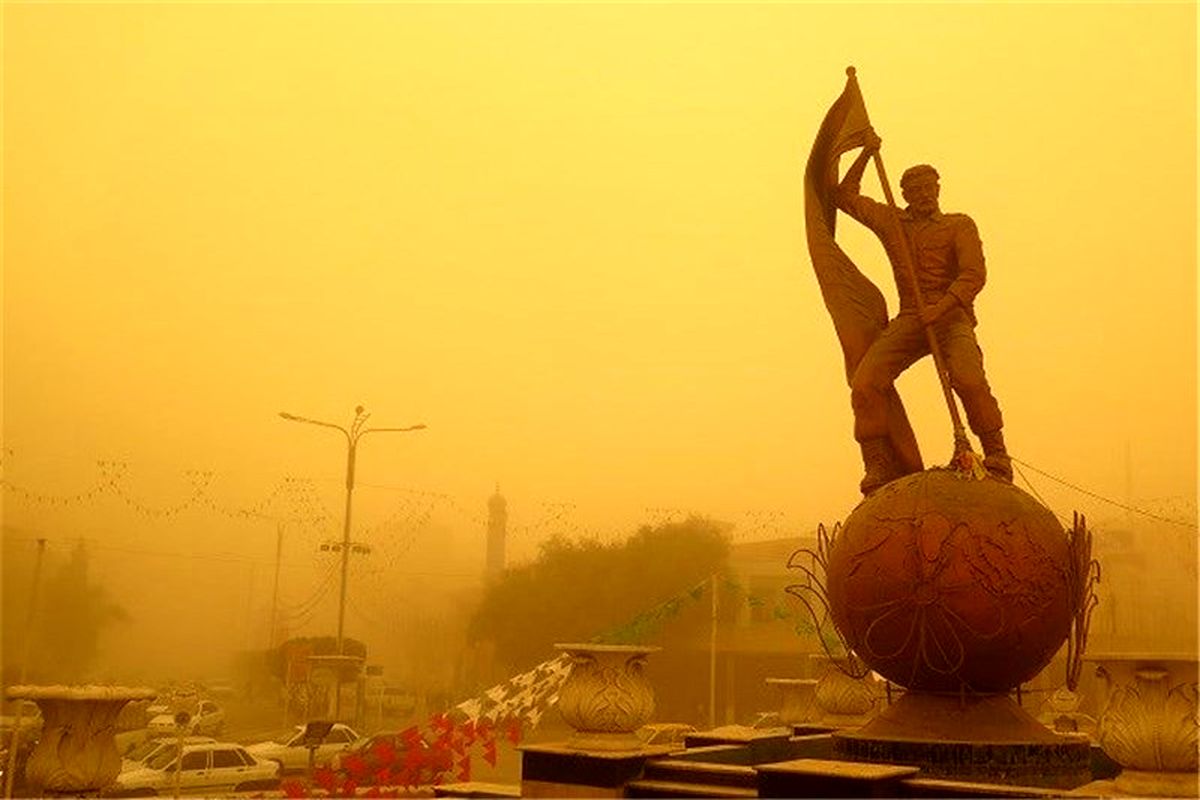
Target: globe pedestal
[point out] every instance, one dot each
(958, 590)
(980, 738)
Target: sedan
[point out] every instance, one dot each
(140, 755)
(292, 752)
(205, 768)
(207, 719)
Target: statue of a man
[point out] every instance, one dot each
(948, 258)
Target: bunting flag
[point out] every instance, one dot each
(523, 698)
(856, 305)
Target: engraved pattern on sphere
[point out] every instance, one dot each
(940, 583)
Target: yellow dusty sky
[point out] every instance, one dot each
(569, 238)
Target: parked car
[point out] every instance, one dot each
(222, 689)
(130, 740)
(171, 699)
(148, 749)
(158, 708)
(205, 768)
(292, 754)
(207, 719)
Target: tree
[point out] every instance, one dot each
(72, 614)
(580, 590)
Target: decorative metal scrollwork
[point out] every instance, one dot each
(1083, 575)
(811, 592)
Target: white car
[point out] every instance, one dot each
(292, 754)
(207, 719)
(142, 753)
(207, 768)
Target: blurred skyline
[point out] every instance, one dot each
(569, 239)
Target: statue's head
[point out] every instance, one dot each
(920, 188)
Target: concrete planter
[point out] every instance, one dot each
(844, 702)
(1149, 721)
(77, 752)
(606, 697)
(798, 701)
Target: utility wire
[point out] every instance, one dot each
(1104, 499)
(95, 544)
(314, 599)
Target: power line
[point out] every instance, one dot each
(1104, 499)
(1040, 499)
(94, 544)
(314, 599)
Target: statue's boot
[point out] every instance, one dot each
(882, 465)
(995, 458)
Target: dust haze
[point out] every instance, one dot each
(569, 240)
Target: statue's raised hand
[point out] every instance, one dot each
(871, 141)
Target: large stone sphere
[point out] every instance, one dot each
(942, 582)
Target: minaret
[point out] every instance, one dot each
(497, 531)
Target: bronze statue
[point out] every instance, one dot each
(938, 263)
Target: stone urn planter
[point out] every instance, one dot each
(843, 701)
(1148, 722)
(77, 753)
(799, 700)
(606, 697)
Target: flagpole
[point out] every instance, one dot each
(964, 456)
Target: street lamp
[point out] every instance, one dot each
(353, 434)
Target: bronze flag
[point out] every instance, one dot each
(857, 307)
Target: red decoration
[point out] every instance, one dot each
(293, 789)
(324, 777)
(411, 761)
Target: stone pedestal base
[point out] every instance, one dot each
(564, 770)
(988, 739)
(604, 741)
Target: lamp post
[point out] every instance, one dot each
(355, 432)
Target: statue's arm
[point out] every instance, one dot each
(853, 177)
(972, 271)
(849, 196)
